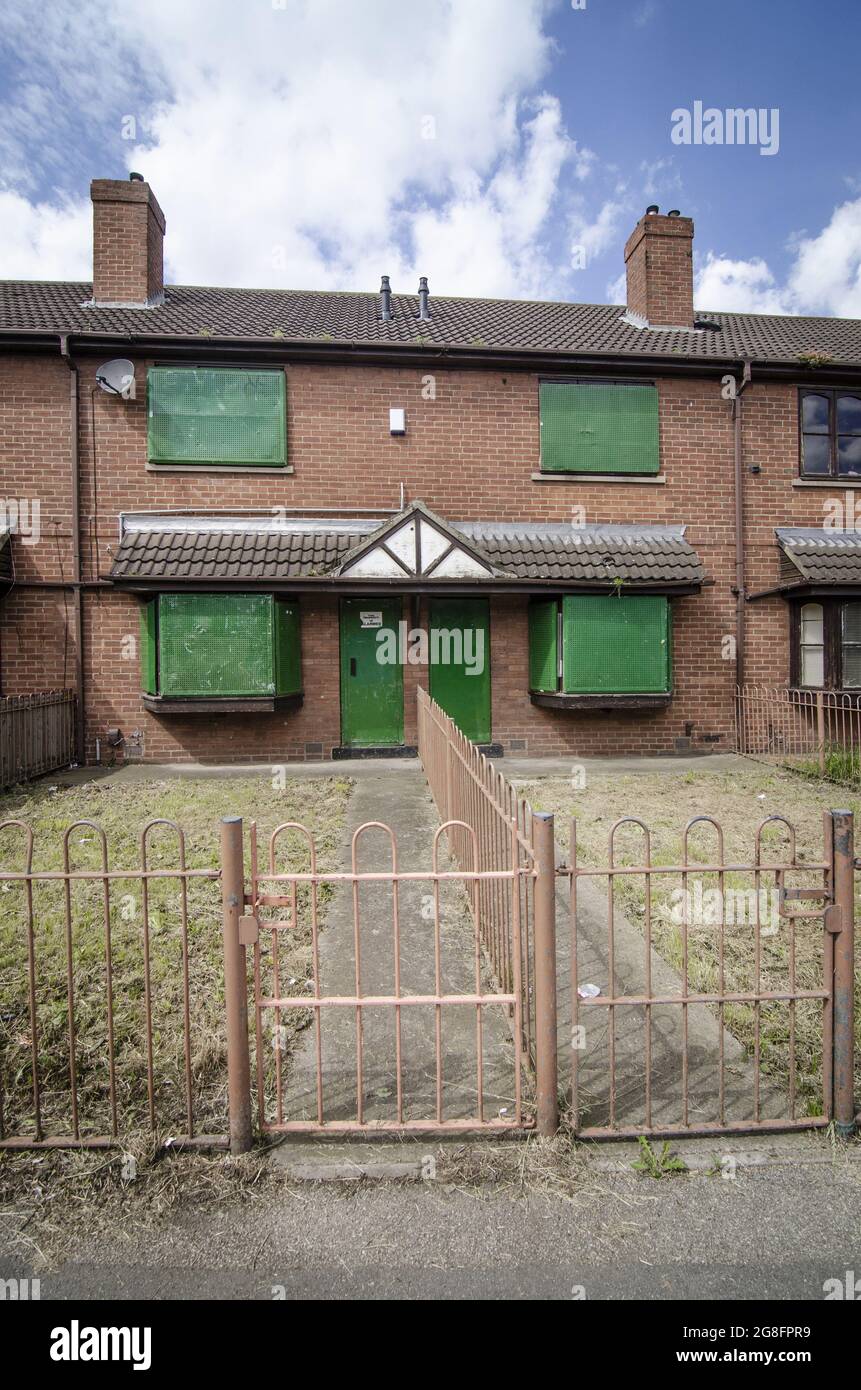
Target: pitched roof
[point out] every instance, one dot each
(337, 318)
(241, 549)
(818, 556)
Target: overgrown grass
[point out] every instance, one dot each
(739, 801)
(842, 766)
(122, 807)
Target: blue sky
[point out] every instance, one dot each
(500, 147)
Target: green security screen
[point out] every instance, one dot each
(590, 427)
(216, 644)
(216, 415)
(614, 644)
(542, 644)
(148, 617)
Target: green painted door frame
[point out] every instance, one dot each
(459, 658)
(372, 692)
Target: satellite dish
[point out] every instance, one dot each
(117, 377)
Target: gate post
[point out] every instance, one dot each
(546, 1082)
(235, 986)
(843, 984)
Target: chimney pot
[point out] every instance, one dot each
(128, 243)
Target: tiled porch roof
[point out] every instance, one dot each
(811, 555)
(173, 549)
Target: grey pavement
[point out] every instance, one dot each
(776, 1231)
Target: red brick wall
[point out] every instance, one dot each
(469, 454)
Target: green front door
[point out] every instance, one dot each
(372, 691)
(459, 656)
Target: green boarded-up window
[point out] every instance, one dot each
(149, 680)
(543, 660)
(616, 644)
(220, 645)
(599, 427)
(216, 415)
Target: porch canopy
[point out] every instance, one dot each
(818, 561)
(415, 551)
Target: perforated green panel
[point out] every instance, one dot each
(148, 646)
(288, 647)
(589, 427)
(542, 644)
(616, 644)
(216, 644)
(216, 415)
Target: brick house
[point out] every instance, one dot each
(264, 517)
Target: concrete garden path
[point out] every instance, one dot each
(399, 798)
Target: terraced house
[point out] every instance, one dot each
(265, 517)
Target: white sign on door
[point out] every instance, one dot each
(371, 619)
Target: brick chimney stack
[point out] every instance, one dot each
(660, 269)
(128, 236)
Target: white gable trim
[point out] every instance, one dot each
(417, 549)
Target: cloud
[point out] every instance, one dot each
(316, 146)
(738, 287)
(43, 242)
(597, 235)
(824, 275)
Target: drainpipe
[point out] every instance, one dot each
(740, 587)
(78, 598)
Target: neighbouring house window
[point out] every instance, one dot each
(599, 427)
(830, 434)
(217, 416)
(220, 645)
(827, 649)
(586, 644)
(812, 644)
(850, 643)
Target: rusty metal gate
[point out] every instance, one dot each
(736, 1037)
(323, 1014)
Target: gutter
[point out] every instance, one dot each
(77, 593)
(282, 350)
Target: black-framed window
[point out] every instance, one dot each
(826, 644)
(830, 424)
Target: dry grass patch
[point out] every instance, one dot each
(122, 808)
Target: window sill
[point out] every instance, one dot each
(238, 468)
(221, 704)
(831, 483)
(639, 478)
(579, 703)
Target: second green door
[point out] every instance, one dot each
(459, 633)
